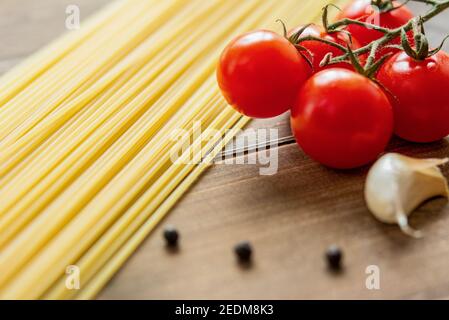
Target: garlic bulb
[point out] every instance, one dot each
(396, 185)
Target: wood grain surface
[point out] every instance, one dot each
(290, 218)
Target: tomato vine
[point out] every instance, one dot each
(420, 50)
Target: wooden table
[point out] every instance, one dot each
(290, 218)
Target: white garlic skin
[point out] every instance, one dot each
(396, 185)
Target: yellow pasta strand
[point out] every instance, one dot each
(65, 73)
(86, 129)
(15, 80)
(63, 208)
(109, 247)
(16, 215)
(119, 258)
(147, 24)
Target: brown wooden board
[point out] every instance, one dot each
(290, 217)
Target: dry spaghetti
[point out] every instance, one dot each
(85, 166)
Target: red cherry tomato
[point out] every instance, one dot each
(342, 119)
(260, 74)
(362, 10)
(421, 95)
(320, 49)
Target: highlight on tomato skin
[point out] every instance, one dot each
(260, 73)
(342, 119)
(362, 10)
(320, 49)
(421, 95)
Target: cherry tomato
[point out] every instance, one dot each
(260, 74)
(342, 119)
(362, 10)
(420, 98)
(320, 49)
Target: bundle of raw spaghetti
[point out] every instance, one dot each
(85, 125)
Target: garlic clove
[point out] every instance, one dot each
(396, 185)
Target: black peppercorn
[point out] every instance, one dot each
(243, 251)
(171, 235)
(334, 257)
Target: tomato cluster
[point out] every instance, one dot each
(339, 117)
(362, 10)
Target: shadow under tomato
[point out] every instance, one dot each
(439, 149)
